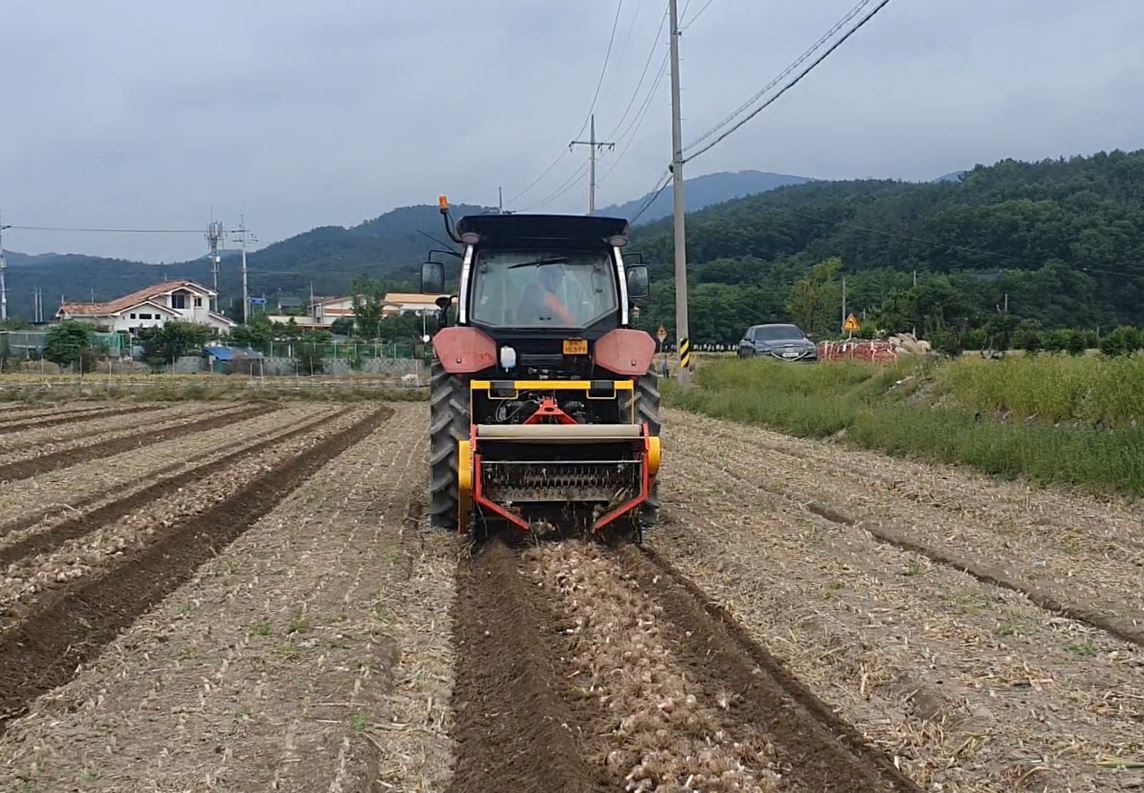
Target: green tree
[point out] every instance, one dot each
(66, 343)
(343, 326)
(258, 331)
(174, 340)
(1122, 341)
(369, 298)
(308, 356)
(814, 297)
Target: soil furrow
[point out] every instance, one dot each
(60, 533)
(968, 686)
(25, 413)
(24, 469)
(45, 650)
(75, 505)
(819, 751)
(513, 720)
(75, 417)
(1063, 557)
(1123, 628)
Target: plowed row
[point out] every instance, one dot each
(257, 604)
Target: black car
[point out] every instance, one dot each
(782, 342)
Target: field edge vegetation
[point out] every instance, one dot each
(1048, 419)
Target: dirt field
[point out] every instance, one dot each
(206, 597)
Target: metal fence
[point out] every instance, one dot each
(29, 344)
(349, 351)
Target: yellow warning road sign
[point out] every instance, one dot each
(852, 324)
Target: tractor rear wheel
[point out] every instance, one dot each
(647, 410)
(448, 424)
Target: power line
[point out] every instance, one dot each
(107, 230)
(698, 14)
(564, 153)
(643, 75)
(587, 116)
(631, 30)
(637, 121)
(603, 70)
(829, 34)
(563, 188)
(665, 180)
(792, 83)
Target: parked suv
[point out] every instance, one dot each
(784, 342)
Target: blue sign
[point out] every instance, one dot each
(258, 301)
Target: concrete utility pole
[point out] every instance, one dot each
(243, 234)
(677, 179)
(3, 283)
(844, 315)
(214, 241)
(593, 146)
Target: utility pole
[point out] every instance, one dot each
(677, 179)
(3, 283)
(214, 241)
(843, 301)
(593, 146)
(243, 234)
(500, 200)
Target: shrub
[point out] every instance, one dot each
(1125, 340)
(1028, 338)
(66, 343)
(309, 358)
(976, 339)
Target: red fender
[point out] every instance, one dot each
(625, 352)
(464, 350)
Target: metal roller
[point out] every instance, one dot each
(559, 433)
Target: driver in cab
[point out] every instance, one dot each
(541, 299)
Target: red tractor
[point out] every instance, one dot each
(544, 407)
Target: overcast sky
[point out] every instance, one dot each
(299, 113)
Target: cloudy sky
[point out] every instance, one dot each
(125, 113)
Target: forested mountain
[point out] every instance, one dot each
(703, 191)
(1062, 239)
(388, 247)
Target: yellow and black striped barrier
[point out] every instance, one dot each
(684, 353)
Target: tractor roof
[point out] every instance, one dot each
(543, 230)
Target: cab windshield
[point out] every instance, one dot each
(537, 288)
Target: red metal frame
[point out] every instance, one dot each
(550, 410)
(645, 490)
(479, 498)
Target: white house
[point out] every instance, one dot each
(325, 311)
(181, 301)
(397, 303)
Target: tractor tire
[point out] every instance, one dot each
(647, 410)
(448, 424)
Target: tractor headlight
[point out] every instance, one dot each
(507, 358)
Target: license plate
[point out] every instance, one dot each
(790, 354)
(575, 346)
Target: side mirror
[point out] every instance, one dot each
(638, 283)
(432, 278)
